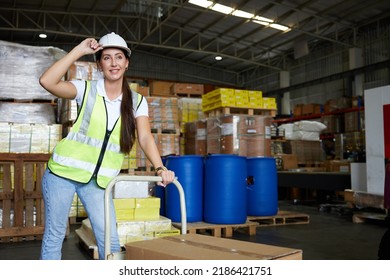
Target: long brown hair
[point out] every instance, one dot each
(127, 137)
(128, 120)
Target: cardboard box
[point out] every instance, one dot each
(338, 166)
(204, 247)
(310, 109)
(298, 110)
(177, 88)
(288, 161)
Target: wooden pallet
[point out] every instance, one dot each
(363, 217)
(87, 243)
(21, 200)
(175, 131)
(29, 100)
(280, 219)
(188, 95)
(238, 110)
(218, 230)
(362, 199)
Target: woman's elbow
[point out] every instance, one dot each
(43, 82)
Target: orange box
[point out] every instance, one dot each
(310, 109)
(177, 88)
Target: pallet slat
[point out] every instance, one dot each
(218, 230)
(216, 112)
(21, 201)
(249, 227)
(281, 218)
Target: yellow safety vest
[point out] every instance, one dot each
(90, 149)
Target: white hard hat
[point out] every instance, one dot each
(113, 40)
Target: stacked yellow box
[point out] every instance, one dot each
(139, 219)
(137, 208)
(222, 97)
(241, 97)
(130, 231)
(130, 161)
(255, 98)
(190, 109)
(269, 103)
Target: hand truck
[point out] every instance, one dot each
(107, 228)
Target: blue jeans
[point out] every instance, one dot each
(58, 195)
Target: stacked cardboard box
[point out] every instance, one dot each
(255, 98)
(307, 152)
(195, 138)
(139, 219)
(29, 138)
(228, 97)
(84, 70)
(131, 231)
(222, 97)
(239, 134)
(354, 121)
(160, 88)
(164, 113)
(184, 88)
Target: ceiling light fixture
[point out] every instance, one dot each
(239, 13)
(222, 9)
(42, 35)
(201, 3)
(280, 27)
(261, 22)
(218, 57)
(260, 18)
(243, 14)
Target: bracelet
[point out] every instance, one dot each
(160, 168)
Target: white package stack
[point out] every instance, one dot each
(20, 69)
(29, 138)
(131, 189)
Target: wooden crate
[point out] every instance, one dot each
(21, 199)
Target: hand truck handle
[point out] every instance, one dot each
(107, 222)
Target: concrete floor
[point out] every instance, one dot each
(330, 235)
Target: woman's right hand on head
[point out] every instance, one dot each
(89, 46)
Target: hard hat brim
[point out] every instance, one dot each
(127, 50)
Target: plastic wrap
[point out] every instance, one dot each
(20, 69)
(303, 130)
(37, 113)
(29, 138)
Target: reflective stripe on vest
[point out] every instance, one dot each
(76, 156)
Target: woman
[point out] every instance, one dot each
(110, 118)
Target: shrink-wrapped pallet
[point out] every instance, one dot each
(244, 135)
(163, 114)
(195, 137)
(37, 113)
(20, 69)
(29, 138)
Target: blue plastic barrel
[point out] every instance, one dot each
(189, 172)
(225, 189)
(262, 188)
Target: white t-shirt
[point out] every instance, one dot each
(113, 106)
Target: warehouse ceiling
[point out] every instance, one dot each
(181, 31)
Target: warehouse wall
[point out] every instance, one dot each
(160, 68)
(325, 61)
